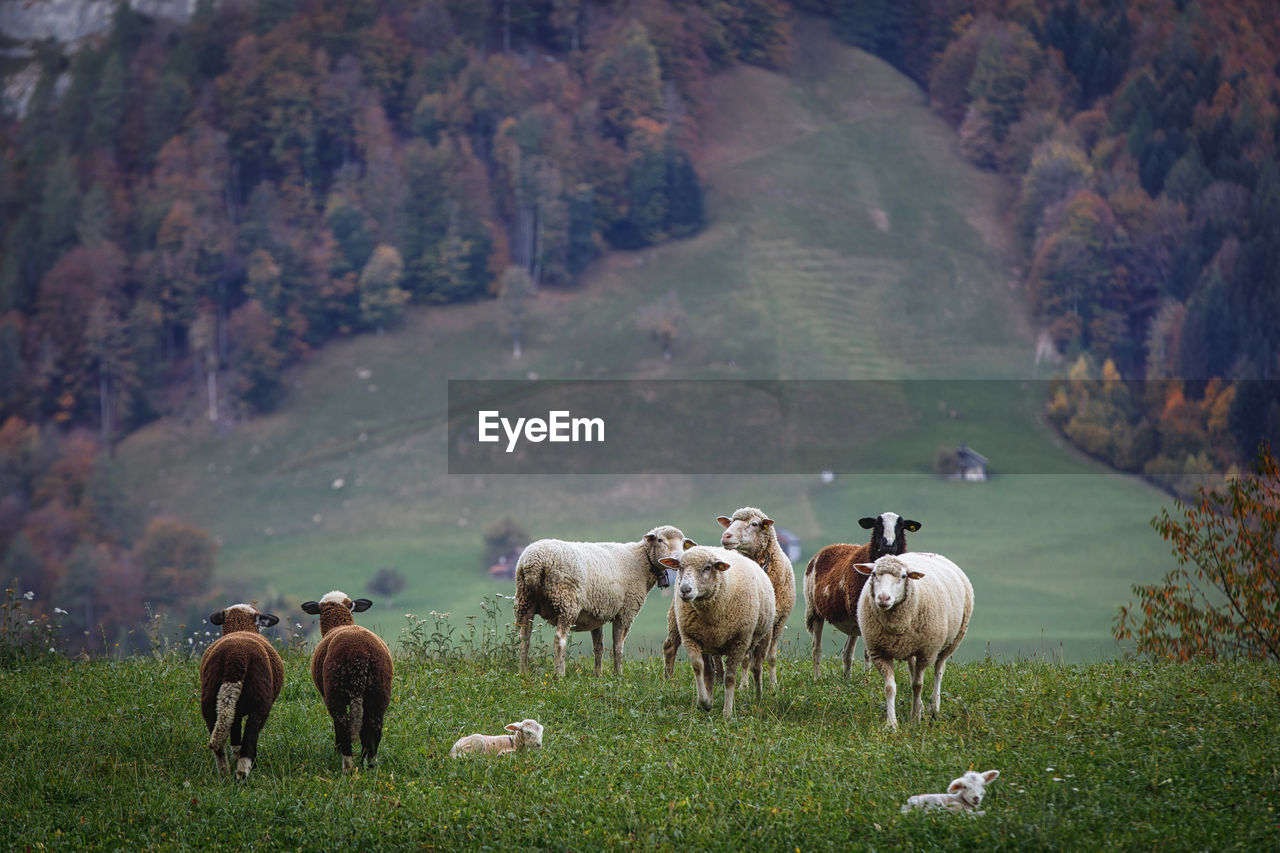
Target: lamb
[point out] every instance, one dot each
(914, 607)
(963, 794)
(352, 669)
(832, 585)
(750, 532)
(579, 586)
(241, 675)
(724, 606)
(526, 734)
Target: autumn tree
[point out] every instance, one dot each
(1223, 600)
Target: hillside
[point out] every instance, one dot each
(847, 239)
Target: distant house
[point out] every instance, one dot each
(505, 567)
(790, 544)
(973, 465)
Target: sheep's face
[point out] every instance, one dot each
(335, 609)
(887, 585)
(889, 528)
(746, 532)
(528, 733)
(697, 573)
(664, 542)
(971, 787)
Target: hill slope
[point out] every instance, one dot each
(849, 240)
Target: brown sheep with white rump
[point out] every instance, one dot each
(241, 675)
(352, 669)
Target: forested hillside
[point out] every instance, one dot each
(188, 210)
(1143, 138)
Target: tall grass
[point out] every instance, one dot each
(1116, 755)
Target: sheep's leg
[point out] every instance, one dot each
(939, 666)
(774, 642)
(526, 628)
(847, 654)
(619, 644)
(562, 640)
(371, 733)
(733, 663)
(701, 685)
(756, 660)
(816, 632)
(917, 667)
(890, 690)
(337, 707)
(253, 724)
(597, 645)
(671, 644)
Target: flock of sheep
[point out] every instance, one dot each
(730, 605)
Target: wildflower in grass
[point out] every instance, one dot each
(59, 611)
(28, 595)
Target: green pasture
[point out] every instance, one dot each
(1113, 755)
(847, 240)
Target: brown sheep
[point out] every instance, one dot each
(832, 585)
(352, 669)
(241, 675)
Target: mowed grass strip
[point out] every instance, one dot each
(1116, 755)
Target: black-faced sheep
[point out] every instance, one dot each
(352, 669)
(526, 734)
(241, 675)
(750, 532)
(914, 607)
(964, 794)
(832, 585)
(724, 606)
(579, 586)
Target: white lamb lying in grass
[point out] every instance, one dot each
(963, 794)
(524, 734)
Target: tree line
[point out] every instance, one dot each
(1142, 139)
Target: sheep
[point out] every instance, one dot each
(963, 794)
(724, 606)
(579, 586)
(526, 734)
(352, 669)
(914, 607)
(241, 675)
(832, 586)
(750, 532)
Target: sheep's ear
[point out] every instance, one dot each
(721, 566)
(670, 562)
(724, 520)
(867, 523)
(765, 522)
(266, 620)
(915, 576)
(512, 727)
(651, 537)
(990, 775)
(216, 618)
(957, 785)
(863, 568)
(689, 543)
(360, 605)
(911, 526)
(312, 607)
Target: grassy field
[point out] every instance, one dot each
(1113, 755)
(847, 240)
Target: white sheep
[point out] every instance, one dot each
(724, 606)
(914, 607)
(526, 734)
(964, 794)
(579, 586)
(750, 532)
